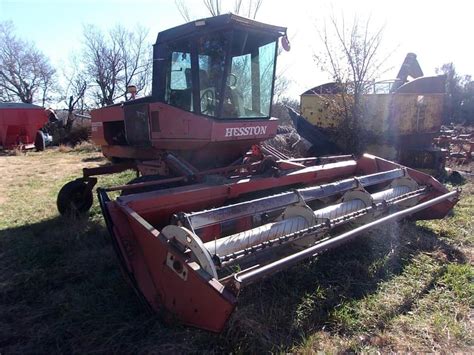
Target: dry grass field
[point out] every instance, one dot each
(408, 287)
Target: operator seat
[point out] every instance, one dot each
(237, 100)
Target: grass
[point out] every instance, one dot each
(408, 287)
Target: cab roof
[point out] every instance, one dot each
(221, 22)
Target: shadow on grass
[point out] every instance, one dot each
(94, 159)
(10, 153)
(293, 304)
(61, 291)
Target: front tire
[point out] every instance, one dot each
(74, 198)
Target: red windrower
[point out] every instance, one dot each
(214, 210)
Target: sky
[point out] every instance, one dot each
(437, 31)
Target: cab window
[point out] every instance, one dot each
(179, 79)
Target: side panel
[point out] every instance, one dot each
(323, 111)
(197, 299)
(392, 114)
(137, 125)
(413, 113)
(104, 115)
(244, 129)
(171, 123)
(20, 125)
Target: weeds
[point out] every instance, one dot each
(83, 147)
(65, 148)
(86, 147)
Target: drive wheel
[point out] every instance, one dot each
(74, 198)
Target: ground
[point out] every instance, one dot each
(406, 288)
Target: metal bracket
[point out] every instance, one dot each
(187, 239)
(301, 201)
(177, 266)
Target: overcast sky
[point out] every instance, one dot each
(437, 31)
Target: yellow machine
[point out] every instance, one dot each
(404, 117)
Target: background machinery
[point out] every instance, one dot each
(213, 212)
(21, 126)
(401, 117)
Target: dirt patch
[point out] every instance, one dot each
(29, 182)
(50, 166)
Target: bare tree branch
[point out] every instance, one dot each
(25, 73)
(213, 6)
(248, 8)
(115, 60)
(352, 55)
(237, 6)
(183, 10)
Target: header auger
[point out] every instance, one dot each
(207, 218)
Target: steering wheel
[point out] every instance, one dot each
(207, 101)
(229, 80)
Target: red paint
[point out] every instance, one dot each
(200, 300)
(19, 124)
(196, 137)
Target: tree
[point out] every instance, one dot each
(467, 103)
(75, 90)
(247, 8)
(183, 10)
(25, 73)
(459, 95)
(115, 60)
(280, 110)
(351, 55)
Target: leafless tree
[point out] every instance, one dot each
(115, 60)
(247, 8)
(183, 10)
(213, 6)
(351, 54)
(459, 100)
(25, 73)
(47, 84)
(78, 86)
(280, 87)
(75, 91)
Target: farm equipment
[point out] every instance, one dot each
(459, 143)
(401, 117)
(21, 124)
(213, 211)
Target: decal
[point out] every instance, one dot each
(245, 131)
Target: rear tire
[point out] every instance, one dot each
(74, 198)
(40, 141)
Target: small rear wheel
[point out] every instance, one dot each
(74, 198)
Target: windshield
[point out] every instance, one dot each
(246, 91)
